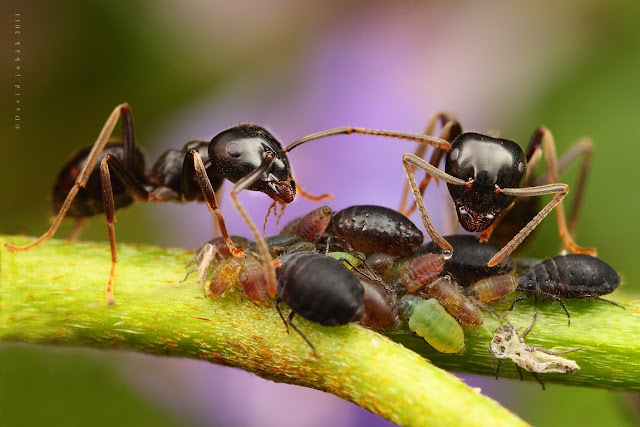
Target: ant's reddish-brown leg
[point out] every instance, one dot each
(410, 159)
(134, 188)
(560, 191)
(193, 160)
(443, 117)
(265, 256)
(103, 137)
(450, 131)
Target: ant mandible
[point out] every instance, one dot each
(484, 175)
(247, 155)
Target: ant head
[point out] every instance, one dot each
(238, 151)
(488, 165)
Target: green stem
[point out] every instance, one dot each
(55, 294)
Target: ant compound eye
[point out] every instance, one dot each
(234, 150)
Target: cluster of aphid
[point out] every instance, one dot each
(364, 263)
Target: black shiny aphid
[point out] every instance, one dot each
(569, 276)
(468, 263)
(320, 289)
(487, 164)
(371, 229)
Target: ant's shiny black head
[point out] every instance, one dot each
(487, 165)
(238, 151)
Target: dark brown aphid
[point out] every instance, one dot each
(379, 262)
(569, 276)
(371, 229)
(453, 299)
(320, 289)
(468, 263)
(380, 305)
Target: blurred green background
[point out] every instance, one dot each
(573, 67)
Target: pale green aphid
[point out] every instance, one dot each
(352, 259)
(431, 321)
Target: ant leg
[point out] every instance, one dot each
(277, 304)
(537, 379)
(450, 131)
(407, 161)
(559, 189)
(193, 165)
(242, 184)
(533, 322)
(80, 224)
(134, 188)
(583, 148)
(552, 171)
(295, 328)
(420, 152)
(85, 173)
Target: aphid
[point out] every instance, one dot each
(418, 272)
(380, 262)
(451, 296)
(320, 289)
(569, 276)
(468, 263)
(313, 223)
(506, 344)
(371, 229)
(380, 305)
(430, 320)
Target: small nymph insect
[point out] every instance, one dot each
(430, 320)
(506, 344)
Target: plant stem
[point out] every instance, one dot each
(55, 294)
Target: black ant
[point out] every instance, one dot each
(247, 155)
(485, 174)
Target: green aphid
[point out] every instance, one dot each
(431, 321)
(357, 262)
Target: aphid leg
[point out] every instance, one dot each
(552, 353)
(295, 328)
(193, 166)
(407, 161)
(538, 379)
(83, 177)
(558, 300)
(533, 322)
(596, 297)
(519, 369)
(277, 304)
(496, 367)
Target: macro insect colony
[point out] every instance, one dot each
(364, 263)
